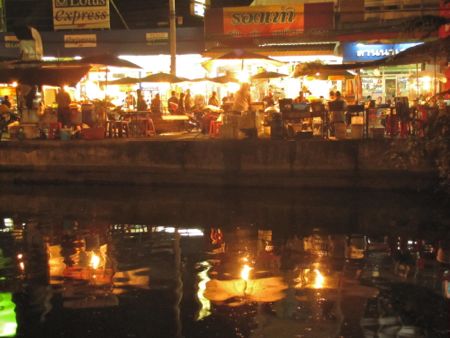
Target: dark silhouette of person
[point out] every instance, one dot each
(63, 101)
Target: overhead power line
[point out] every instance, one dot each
(119, 14)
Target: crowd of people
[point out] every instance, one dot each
(397, 121)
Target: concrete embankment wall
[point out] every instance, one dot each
(249, 163)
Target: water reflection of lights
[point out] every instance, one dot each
(184, 232)
(95, 261)
(312, 278)
(319, 281)
(8, 225)
(245, 272)
(20, 261)
(203, 277)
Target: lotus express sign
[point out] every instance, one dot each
(80, 14)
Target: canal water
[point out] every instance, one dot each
(107, 261)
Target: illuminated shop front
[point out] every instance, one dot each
(255, 29)
(388, 82)
(148, 48)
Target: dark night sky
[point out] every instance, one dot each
(137, 13)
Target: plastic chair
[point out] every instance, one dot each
(151, 130)
(318, 110)
(337, 115)
(214, 128)
(53, 130)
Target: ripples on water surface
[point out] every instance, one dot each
(129, 262)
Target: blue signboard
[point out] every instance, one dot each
(361, 52)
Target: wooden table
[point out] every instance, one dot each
(170, 123)
(140, 123)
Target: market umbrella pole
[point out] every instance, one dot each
(106, 83)
(435, 75)
(173, 38)
(417, 80)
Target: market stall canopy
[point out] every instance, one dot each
(219, 79)
(265, 75)
(241, 55)
(321, 71)
(43, 75)
(163, 78)
(123, 81)
(224, 79)
(108, 60)
(313, 68)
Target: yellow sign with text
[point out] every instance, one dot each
(80, 14)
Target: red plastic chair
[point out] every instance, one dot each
(214, 128)
(53, 130)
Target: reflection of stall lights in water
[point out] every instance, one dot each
(9, 223)
(95, 261)
(319, 281)
(312, 278)
(245, 272)
(203, 277)
(182, 231)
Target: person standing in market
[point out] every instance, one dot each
(301, 98)
(63, 101)
(156, 105)
(241, 106)
(181, 108)
(172, 102)
(188, 101)
(242, 99)
(141, 103)
(213, 100)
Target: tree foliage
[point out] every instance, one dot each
(432, 148)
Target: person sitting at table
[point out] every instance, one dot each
(301, 98)
(141, 103)
(130, 101)
(181, 109)
(332, 95)
(268, 100)
(156, 105)
(228, 99)
(337, 109)
(213, 100)
(172, 102)
(6, 101)
(339, 101)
